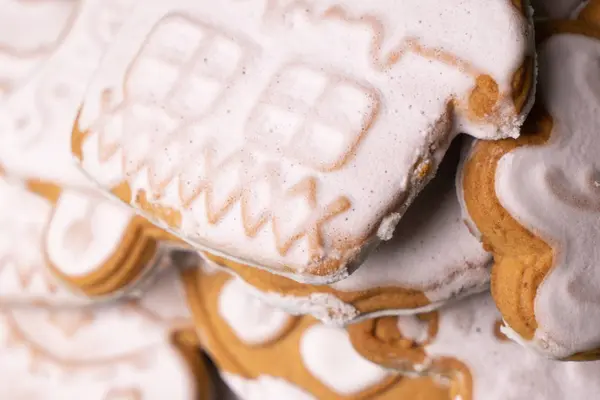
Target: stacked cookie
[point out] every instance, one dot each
(283, 185)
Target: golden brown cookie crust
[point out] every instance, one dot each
(381, 341)
(521, 259)
(365, 301)
(250, 362)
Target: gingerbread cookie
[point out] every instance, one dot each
(463, 343)
(536, 201)
(97, 247)
(432, 258)
(265, 353)
(37, 115)
(143, 350)
(266, 144)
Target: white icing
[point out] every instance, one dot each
(328, 354)
(556, 9)
(253, 321)
(264, 87)
(264, 388)
(102, 353)
(23, 274)
(432, 250)
(85, 230)
(23, 49)
(503, 370)
(413, 328)
(552, 190)
(35, 231)
(37, 117)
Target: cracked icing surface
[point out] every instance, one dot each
(283, 120)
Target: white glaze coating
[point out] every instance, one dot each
(264, 388)
(84, 231)
(503, 370)
(37, 116)
(329, 356)
(247, 138)
(253, 321)
(23, 49)
(23, 274)
(104, 353)
(554, 190)
(35, 232)
(433, 251)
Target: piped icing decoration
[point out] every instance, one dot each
(103, 353)
(433, 257)
(37, 113)
(250, 144)
(308, 359)
(544, 188)
(55, 237)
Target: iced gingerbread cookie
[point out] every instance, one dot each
(536, 201)
(264, 353)
(432, 258)
(142, 350)
(55, 236)
(463, 343)
(292, 135)
(37, 115)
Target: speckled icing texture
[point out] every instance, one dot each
(64, 40)
(114, 353)
(268, 144)
(501, 369)
(554, 191)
